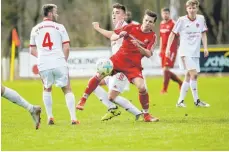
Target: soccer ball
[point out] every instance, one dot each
(104, 66)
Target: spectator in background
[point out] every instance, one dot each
(129, 19)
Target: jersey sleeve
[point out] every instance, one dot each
(205, 28)
(152, 43)
(32, 42)
(126, 28)
(177, 26)
(64, 35)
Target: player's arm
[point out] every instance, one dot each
(176, 30)
(169, 42)
(119, 33)
(66, 49)
(115, 36)
(65, 42)
(205, 43)
(33, 48)
(148, 51)
(204, 38)
(142, 50)
(102, 31)
(160, 44)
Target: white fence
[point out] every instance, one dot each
(81, 63)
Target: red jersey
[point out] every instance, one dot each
(165, 30)
(128, 54)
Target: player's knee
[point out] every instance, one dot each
(193, 77)
(66, 89)
(111, 98)
(48, 89)
(2, 90)
(142, 89)
(99, 76)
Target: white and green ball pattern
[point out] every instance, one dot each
(104, 66)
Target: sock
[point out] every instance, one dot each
(103, 97)
(47, 99)
(126, 104)
(166, 80)
(144, 100)
(193, 86)
(175, 78)
(92, 85)
(70, 101)
(15, 98)
(183, 91)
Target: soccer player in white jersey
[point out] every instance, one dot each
(191, 28)
(15, 98)
(49, 42)
(117, 83)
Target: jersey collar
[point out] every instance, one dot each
(47, 19)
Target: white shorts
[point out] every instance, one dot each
(117, 82)
(189, 63)
(57, 76)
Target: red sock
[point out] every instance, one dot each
(92, 85)
(166, 80)
(175, 78)
(144, 100)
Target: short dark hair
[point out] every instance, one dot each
(151, 14)
(47, 8)
(120, 6)
(165, 9)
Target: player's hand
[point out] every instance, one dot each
(136, 43)
(95, 25)
(206, 53)
(122, 34)
(167, 53)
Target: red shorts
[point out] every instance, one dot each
(168, 61)
(130, 72)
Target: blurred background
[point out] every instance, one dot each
(77, 16)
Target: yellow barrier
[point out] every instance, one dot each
(215, 49)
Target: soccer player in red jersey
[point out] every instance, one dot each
(166, 27)
(139, 41)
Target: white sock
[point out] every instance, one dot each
(193, 86)
(14, 97)
(70, 101)
(127, 105)
(183, 91)
(145, 110)
(103, 97)
(47, 99)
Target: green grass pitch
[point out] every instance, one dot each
(201, 129)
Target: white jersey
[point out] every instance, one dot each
(190, 32)
(48, 37)
(115, 45)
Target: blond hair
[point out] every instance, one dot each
(47, 8)
(192, 3)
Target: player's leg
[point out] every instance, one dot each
(47, 80)
(166, 76)
(15, 98)
(194, 63)
(92, 85)
(183, 91)
(171, 61)
(62, 80)
(118, 84)
(102, 95)
(144, 99)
